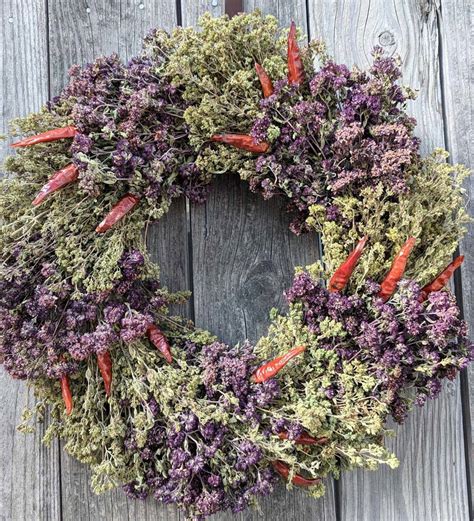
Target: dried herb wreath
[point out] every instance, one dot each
(150, 401)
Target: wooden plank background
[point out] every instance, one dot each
(237, 274)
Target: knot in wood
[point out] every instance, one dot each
(386, 38)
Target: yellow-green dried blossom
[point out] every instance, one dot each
(215, 67)
(433, 211)
(354, 424)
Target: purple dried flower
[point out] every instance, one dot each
(399, 339)
(134, 326)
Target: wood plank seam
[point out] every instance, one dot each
(57, 442)
(457, 281)
(336, 482)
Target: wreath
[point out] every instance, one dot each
(148, 400)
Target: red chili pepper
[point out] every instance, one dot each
(270, 369)
(158, 339)
(46, 137)
(242, 141)
(104, 361)
(66, 392)
(295, 63)
(60, 179)
(442, 279)
(265, 81)
(127, 203)
(304, 439)
(389, 284)
(343, 273)
(284, 471)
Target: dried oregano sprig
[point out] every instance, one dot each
(67, 292)
(200, 432)
(433, 211)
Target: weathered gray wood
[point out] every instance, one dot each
(243, 259)
(24, 60)
(431, 444)
(30, 484)
(457, 76)
(167, 242)
(191, 10)
(429, 484)
(285, 11)
(78, 34)
(243, 252)
(30, 478)
(244, 255)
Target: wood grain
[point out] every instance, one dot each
(24, 60)
(30, 479)
(80, 30)
(429, 484)
(456, 19)
(236, 249)
(407, 29)
(30, 484)
(191, 10)
(283, 10)
(431, 444)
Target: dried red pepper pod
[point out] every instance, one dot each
(158, 339)
(389, 284)
(270, 369)
(265, 81)
(104, 361)
(60, 179)
(442, 279)
(304, 439)
(66, 393)
(46, 137)
(342, 275)
(300, 481)
(125, 205)
(242, 141)
(295, 63)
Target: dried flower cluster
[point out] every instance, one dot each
(348, 131)
(196, 428)
(407, 344)
(132, 133)
(192, 473)
(46, 329)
